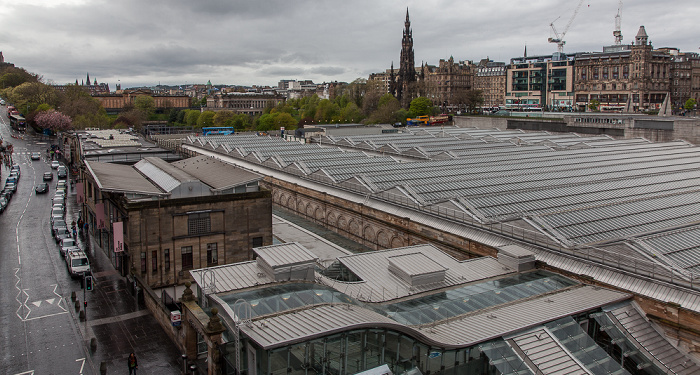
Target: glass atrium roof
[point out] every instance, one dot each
(416, 311)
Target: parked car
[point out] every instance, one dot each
(36, 156)
(62, 233)
(57, 224)
(6, 194)
(11, 179)
(78, 263)
(66, 244)
(11, 186)
(3, 204)
(61, 184)
(42, 188)
(59, 200)
(62, 173)
(60, 193)
(48, 176)
(55, 164)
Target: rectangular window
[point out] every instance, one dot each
(154, 261)
(187, 260)
(143, 262)
(257, 241)
(167, 259)
(212, 254)
(198, 224)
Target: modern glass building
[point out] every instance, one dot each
(418, 310)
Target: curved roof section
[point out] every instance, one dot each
(462, 331)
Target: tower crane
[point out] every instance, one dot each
(618, 21)
(559, 38)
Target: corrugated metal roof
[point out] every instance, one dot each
(379, 284)
(285, 254)
(121, 178)
(463, 331)
(231, 277)
(649, 340)
(415, 263)
(217, 174)
(545, 353)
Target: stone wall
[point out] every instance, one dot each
(236, 219)
(370, 227)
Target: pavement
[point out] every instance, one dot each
(116, 320)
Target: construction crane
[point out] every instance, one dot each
(559, 38)
(618, 23)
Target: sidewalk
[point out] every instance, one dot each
(117, 321)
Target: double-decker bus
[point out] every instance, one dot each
(221, 130)
(18, 122)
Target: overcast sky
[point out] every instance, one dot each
(146, 42)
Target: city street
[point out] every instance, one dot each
(39, 334)
(41, 330)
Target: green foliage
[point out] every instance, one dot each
(420, 106)
(43, 107)
(91, 120)
(181, 117)
(386, 112)
(173, 115)
(191, 117)
(690, 104)
(206, 118)
(145, 104)
(13, 77)
(593, 105)
(273, 121)
(76, 102)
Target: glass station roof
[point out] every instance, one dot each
(416, 311)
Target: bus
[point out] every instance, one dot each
(18, 123)
(221, 130)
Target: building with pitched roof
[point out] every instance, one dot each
(158, 220)
(617, 213)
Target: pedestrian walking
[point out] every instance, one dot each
(133, 363)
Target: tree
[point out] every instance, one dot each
(206, 118)
(145, 104)
(75, 101)
(690, 104)
(387, 111)
(420, 106)
(130, 118)
(593, 105)
(53, 120)
(222, 117)
(191, 117)
(471, 99)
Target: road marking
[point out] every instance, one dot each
(82, 364)
(30, 372)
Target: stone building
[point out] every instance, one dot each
(249, 103)
(117, 102)
(628, 78)
(685, 67)
(445, 83)
(158, 220)
(490, 79)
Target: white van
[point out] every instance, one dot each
(78, 263)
